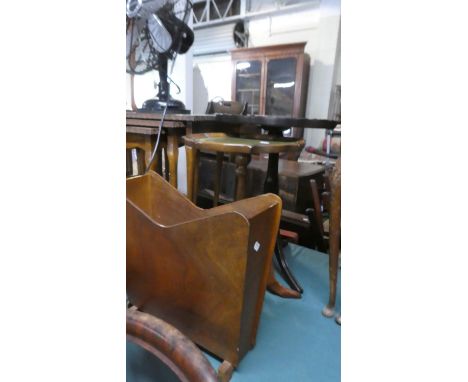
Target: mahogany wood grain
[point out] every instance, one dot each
(203, 271)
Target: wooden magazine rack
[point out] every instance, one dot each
(202, 271)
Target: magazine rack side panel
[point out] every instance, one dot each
(191, 275)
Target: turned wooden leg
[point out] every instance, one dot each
(217, 180)
(173, 156)
(334, 237)
(192, 173)
(242, 160)
(225, 371)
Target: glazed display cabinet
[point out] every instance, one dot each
(273, 80)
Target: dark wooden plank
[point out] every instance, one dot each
(143, 130)
(154, 123)
(257, 120)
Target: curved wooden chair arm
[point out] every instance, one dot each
(170, 346)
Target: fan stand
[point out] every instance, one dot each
(132, 84)
(163, 98)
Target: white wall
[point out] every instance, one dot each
(317, 25)
(211, 78)
(322, 71)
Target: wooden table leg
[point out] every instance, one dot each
(156, 161)
(172, 156)
(334, 238)
(271, 180)
(272, 185)
(284, 267)
(273, 286)
(192, 173)
(145, 143)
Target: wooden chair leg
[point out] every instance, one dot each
(334, 238)
(173, 155)
(329, 310)
(242, 160)
(317, 237)
(217, 180)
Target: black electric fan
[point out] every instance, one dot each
(157, 31)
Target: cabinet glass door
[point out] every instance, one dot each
(248, 84)
(280, 86)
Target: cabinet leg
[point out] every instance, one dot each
(191, 155)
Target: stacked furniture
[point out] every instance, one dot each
(243, 149)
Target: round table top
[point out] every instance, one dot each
(224, 143)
